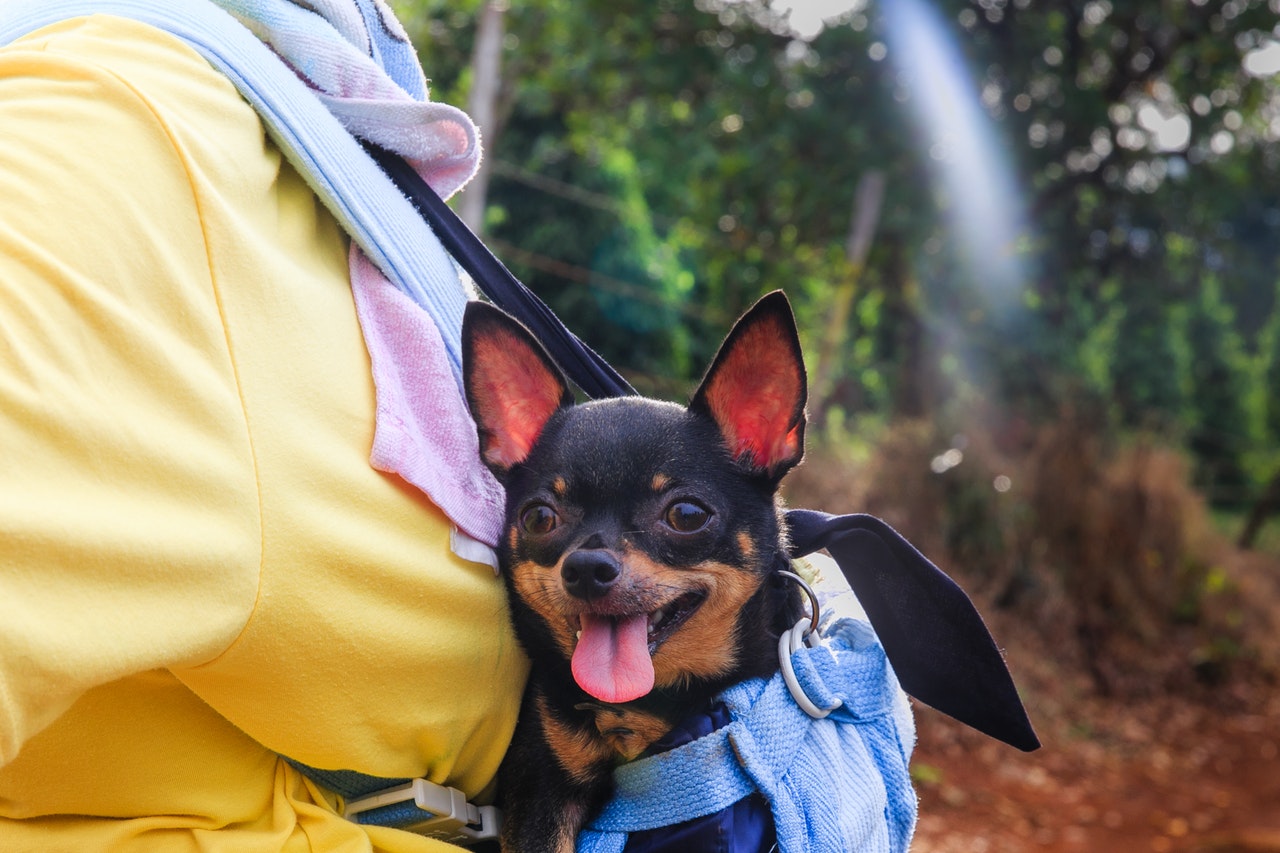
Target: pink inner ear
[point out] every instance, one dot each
(515, 394)
(754, 396)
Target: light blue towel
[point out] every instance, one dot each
(833, 784)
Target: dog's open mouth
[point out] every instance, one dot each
(664, 621)
(613, 659)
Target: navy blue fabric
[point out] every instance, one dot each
(347, 783)
(744, 827)
(396, 814)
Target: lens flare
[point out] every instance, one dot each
(982, 197)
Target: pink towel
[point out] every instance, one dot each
(357, 60)
(424, 432)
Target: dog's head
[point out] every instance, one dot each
(641, 537)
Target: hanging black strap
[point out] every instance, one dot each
(931, 632)
(583, 365)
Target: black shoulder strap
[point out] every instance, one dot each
(584, 366)
(933, 636)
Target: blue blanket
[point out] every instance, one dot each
(834, 784)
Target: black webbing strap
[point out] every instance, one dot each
(583, 365)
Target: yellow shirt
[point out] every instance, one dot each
(198, 567)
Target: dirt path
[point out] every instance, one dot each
(1160, 777)
(1182, 771)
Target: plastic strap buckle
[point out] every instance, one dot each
(428, 809)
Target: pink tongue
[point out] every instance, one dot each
(612, 660)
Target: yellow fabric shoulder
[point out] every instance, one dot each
(200, 568)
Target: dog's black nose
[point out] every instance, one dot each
(589, 573)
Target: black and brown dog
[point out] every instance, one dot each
(641, 549)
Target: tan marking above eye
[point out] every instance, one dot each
(660, 482)
(559, 487)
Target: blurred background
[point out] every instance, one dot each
(1033, 249)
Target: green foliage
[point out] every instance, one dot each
(660, 164)
(1148, 363)
(1262, 404)
(1268, 385)
(1220, 431)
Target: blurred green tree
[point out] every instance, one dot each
(659, 164)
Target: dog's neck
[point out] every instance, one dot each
(632, 728)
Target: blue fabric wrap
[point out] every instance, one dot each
(744, 827)
(398, 58)
(350, 784)
(835, 784)
(398, 815)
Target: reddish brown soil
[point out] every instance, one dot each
(1155, 692)
(1158, 777)
(1193, 771)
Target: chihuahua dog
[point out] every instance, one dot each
(640, 549)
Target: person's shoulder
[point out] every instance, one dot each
(102, 105)
(103, 62)
(121, 47)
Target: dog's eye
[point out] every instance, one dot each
(687, 517)
(539, 519)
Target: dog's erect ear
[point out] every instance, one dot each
(513, 387)
(755, 389)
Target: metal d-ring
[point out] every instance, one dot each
(813, 601)
(791, 642)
